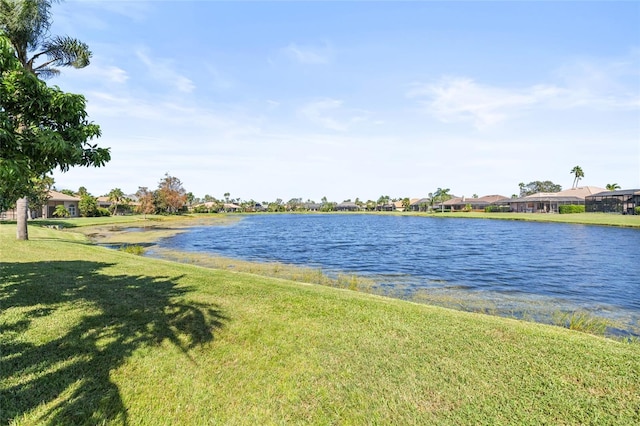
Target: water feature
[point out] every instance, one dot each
(512, 266)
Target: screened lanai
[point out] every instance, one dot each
(621, 201)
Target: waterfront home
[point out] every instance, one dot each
(419, 204)
(623, 201)
(480, 203)
(548, 202)
(347, 206)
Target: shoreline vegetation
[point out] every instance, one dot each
(97, 336)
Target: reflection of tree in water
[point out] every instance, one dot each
(70, 373)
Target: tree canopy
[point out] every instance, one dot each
(171, 196)
(538, 186)
(41, 129)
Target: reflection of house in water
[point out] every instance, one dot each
(622, 201)
(549, 202)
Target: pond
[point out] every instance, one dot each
(522, 268)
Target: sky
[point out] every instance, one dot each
(354, 99)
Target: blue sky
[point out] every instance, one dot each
(276, 99)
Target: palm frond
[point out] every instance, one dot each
(65, 52)
(47, 72)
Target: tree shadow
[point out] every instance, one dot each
(66, 378)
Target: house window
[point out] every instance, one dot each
(72, 210)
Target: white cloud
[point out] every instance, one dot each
(331, 114)
(596, 85)
(602, 83)
(323, 113)
(309, 54)
(96, 73)
(162, 70)
(455, 99)
(116, 75)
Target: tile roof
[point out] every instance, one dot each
(59, 196)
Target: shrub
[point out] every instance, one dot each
(132, 249)
(61, 211)
(637, 210)
(582, 321)
(571, 208)
(103, 212)
(497, 209)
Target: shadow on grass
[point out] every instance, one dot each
(92, 322)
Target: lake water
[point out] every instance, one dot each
(507, 266)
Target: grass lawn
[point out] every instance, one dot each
(604, 219)
(96, 336)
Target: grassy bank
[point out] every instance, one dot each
(91, 336)
(602, 219)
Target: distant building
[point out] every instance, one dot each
(419, 204)
(622, 201)
(347, 206)
(480, 203)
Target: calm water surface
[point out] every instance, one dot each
(511, 265)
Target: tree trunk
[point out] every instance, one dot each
(22, 207)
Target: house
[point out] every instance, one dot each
(420, 204)
(58, 198)
(231, 207)
(103, 202)
(548, 202)
(623, 201)
(399, 205)
(389, 207)
(55, 199)
(312, 207)
(347, 206)
(480, 203)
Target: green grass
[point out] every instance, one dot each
(96, 336)
(582, 321)
(604, 219)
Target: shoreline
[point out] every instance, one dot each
(536, 310)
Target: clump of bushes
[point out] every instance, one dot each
(571, 208)
(497, 209)
(638, 210)
(132, 249)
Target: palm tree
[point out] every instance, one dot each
(613, 186)
(115, 196)
(26, 23)
(442, 195)
(61, 211)
(578, 173)
(383, 201)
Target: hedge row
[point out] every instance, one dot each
(571, 208)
